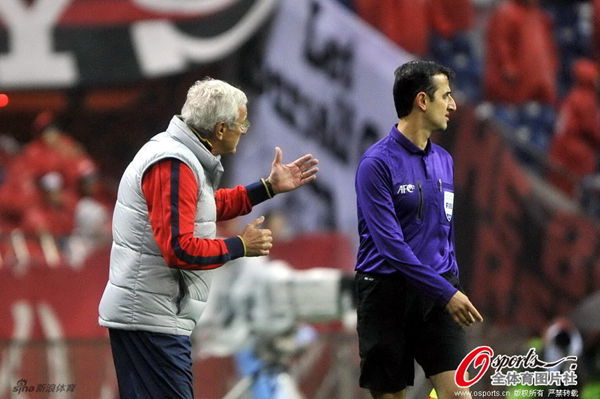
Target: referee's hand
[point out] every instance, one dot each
(462, 310)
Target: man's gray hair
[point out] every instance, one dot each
(210, 101)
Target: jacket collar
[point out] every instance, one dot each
(211, 163)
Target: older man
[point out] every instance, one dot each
(164, 244)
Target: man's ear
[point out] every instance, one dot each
(421, 100)
(219, 130)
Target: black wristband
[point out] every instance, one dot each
(268, 187)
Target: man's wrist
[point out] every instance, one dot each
(258, 192)
(268, 187)
(243, 244)
(236, 247)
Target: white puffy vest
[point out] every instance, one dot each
(143, 292)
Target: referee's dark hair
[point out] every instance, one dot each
(412, 78)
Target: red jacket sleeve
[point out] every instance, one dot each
(171, 192)
(232, 202)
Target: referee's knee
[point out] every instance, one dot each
(389, 395)
(446, 387)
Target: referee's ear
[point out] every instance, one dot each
(421, 100)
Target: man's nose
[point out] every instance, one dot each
(452, 104)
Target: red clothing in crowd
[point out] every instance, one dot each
(449, 17)
(596, 29)
(576, 139)
(404, 21)
(175, 236)
(54, 214)
(20, 194)
(521, 57)
(56, 151)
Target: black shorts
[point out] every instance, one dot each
(398, 325)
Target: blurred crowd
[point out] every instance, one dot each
(530, 64)
(52, 205)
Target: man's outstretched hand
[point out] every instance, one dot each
(290, 176)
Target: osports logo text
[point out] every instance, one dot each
(482, 358)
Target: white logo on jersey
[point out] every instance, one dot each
(406, 188)
(448, 204)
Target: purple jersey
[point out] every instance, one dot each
(405, 198)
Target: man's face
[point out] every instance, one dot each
(231, 135)
(441, 105)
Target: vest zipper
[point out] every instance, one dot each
(182, 290)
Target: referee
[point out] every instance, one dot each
(410, 304)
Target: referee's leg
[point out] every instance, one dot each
(395, 395)
(445, 386)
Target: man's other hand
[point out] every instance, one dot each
(257, 241)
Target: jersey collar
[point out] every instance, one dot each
(409, 145)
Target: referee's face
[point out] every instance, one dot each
(441, 105)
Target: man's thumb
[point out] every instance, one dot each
(278, 156)
(258, 221)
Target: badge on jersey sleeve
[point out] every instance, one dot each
(448, 204)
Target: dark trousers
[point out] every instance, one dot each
(152, 365)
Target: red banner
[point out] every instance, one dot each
(66, 43)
